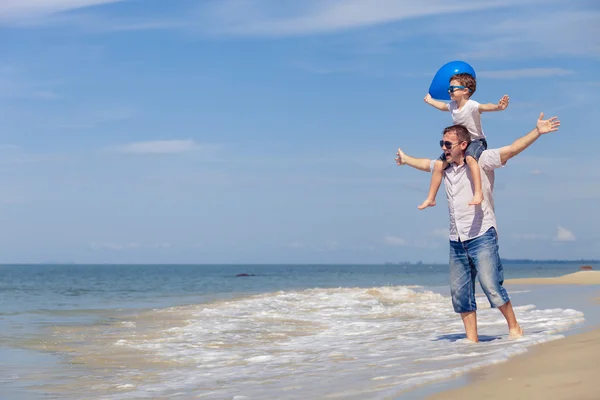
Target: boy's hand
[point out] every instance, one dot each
(427, 98)
(503, 103)
(547, 125)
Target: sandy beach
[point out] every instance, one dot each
(562, 369)
(577, 278)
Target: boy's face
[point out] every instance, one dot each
(458, 94)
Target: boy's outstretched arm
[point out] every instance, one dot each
(423, 164)
(500, 106)
(543, 126)
(440, 105)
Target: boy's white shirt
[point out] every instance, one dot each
(469, 117)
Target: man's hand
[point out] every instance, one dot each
(542, 127)
(401, 158)
(427, 98)
(503, 103)
(547, 125)
(422, 164)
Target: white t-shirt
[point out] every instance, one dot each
(468, 222)
(469, 117)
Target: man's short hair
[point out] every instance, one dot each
(460, 131)
(466, 80)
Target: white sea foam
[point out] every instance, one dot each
(329, 343)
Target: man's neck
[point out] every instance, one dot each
(462, 161)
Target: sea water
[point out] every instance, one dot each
(282, 332)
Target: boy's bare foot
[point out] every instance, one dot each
(477, 199)
(427, 203)
(515, 333)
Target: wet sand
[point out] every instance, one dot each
(562, 369)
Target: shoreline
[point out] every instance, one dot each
(565, 368)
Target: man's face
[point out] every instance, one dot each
(453, 148)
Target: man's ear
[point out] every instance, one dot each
(464, 145)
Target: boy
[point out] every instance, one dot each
(465, 112)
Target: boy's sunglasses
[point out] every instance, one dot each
(451, 89)
(448, 145)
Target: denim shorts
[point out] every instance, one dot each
(475, 148)
(472, 258)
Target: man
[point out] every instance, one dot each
(473, 237)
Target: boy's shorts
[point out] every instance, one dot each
(475, 148)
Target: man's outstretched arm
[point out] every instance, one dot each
(423, 164)
(543, 126)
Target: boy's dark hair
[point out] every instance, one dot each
(466, 80)
(460, 131)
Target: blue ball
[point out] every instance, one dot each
(439, 85)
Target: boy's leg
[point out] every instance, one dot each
(476, 175)
(434, 186)
(474, 150)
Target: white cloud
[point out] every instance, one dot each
(560, 29)
(328, 246)
(536, 172)
(528, 236)
(395, 241)
(295, 245)
(277, 18)
(114, 246)
(525, 73)
(89, 119)
(45, 94)
(13, 84)
(440, 232)
(542, 34)
(11, 10)
(564, 235)
(96, 23)
(159, 147)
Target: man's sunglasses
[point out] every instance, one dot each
(451, 89)
(448, 145)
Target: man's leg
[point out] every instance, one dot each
(514, 329)
(470, 322)
(462, 288)
(484, 254)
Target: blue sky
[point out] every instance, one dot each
(233, 131)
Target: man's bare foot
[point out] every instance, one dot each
(515, 333)
(477, 199)
(400, 159)
(427, 203)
